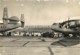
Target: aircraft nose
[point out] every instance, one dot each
(53, 27)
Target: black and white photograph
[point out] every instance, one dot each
(39, 27)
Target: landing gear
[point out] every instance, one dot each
(70, 36)
(6, 34)
(65, 35)
(9, 34)
(75, 36)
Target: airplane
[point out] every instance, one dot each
(10, 23)
(69, 28)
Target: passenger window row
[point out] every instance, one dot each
(2, 26)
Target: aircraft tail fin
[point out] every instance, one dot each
(22, 20)
(5, 15)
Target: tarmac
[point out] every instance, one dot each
(38, 46)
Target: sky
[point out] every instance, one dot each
(41, 12)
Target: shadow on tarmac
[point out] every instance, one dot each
(66, 42)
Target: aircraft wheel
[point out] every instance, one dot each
(66, 36)
(9, 34)
(75, 36)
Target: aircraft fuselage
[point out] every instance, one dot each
(8, 27)
(67, 27)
